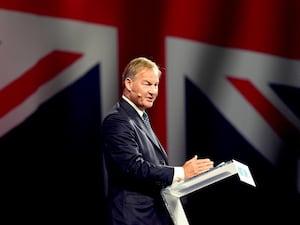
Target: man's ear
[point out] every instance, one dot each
(128, 84)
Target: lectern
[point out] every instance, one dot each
(172, 194)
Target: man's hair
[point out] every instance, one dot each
(136, 64)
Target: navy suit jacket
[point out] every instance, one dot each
(137, 169)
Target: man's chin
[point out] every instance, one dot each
(148, 105)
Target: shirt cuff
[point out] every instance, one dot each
(178, 174)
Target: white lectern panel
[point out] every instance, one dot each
(173, 193)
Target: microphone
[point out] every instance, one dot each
(137, 93)
(139, 99)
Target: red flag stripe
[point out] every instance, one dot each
(267, 110)
(45, 69)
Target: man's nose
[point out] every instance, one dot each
(153, 90)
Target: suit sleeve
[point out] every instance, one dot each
(131, 154)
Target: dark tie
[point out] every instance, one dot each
(148, 125)
(147, 121)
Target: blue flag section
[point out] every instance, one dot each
(53, 159)
(218, 139)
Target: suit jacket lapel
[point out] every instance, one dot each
(134, 115)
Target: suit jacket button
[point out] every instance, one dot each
(162, 162)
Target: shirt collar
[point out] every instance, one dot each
(140, 112)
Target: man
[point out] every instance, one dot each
(137, 164)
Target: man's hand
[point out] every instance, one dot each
(196, 166)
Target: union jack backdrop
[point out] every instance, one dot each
(230, 90)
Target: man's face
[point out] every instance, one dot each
(144, 88)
